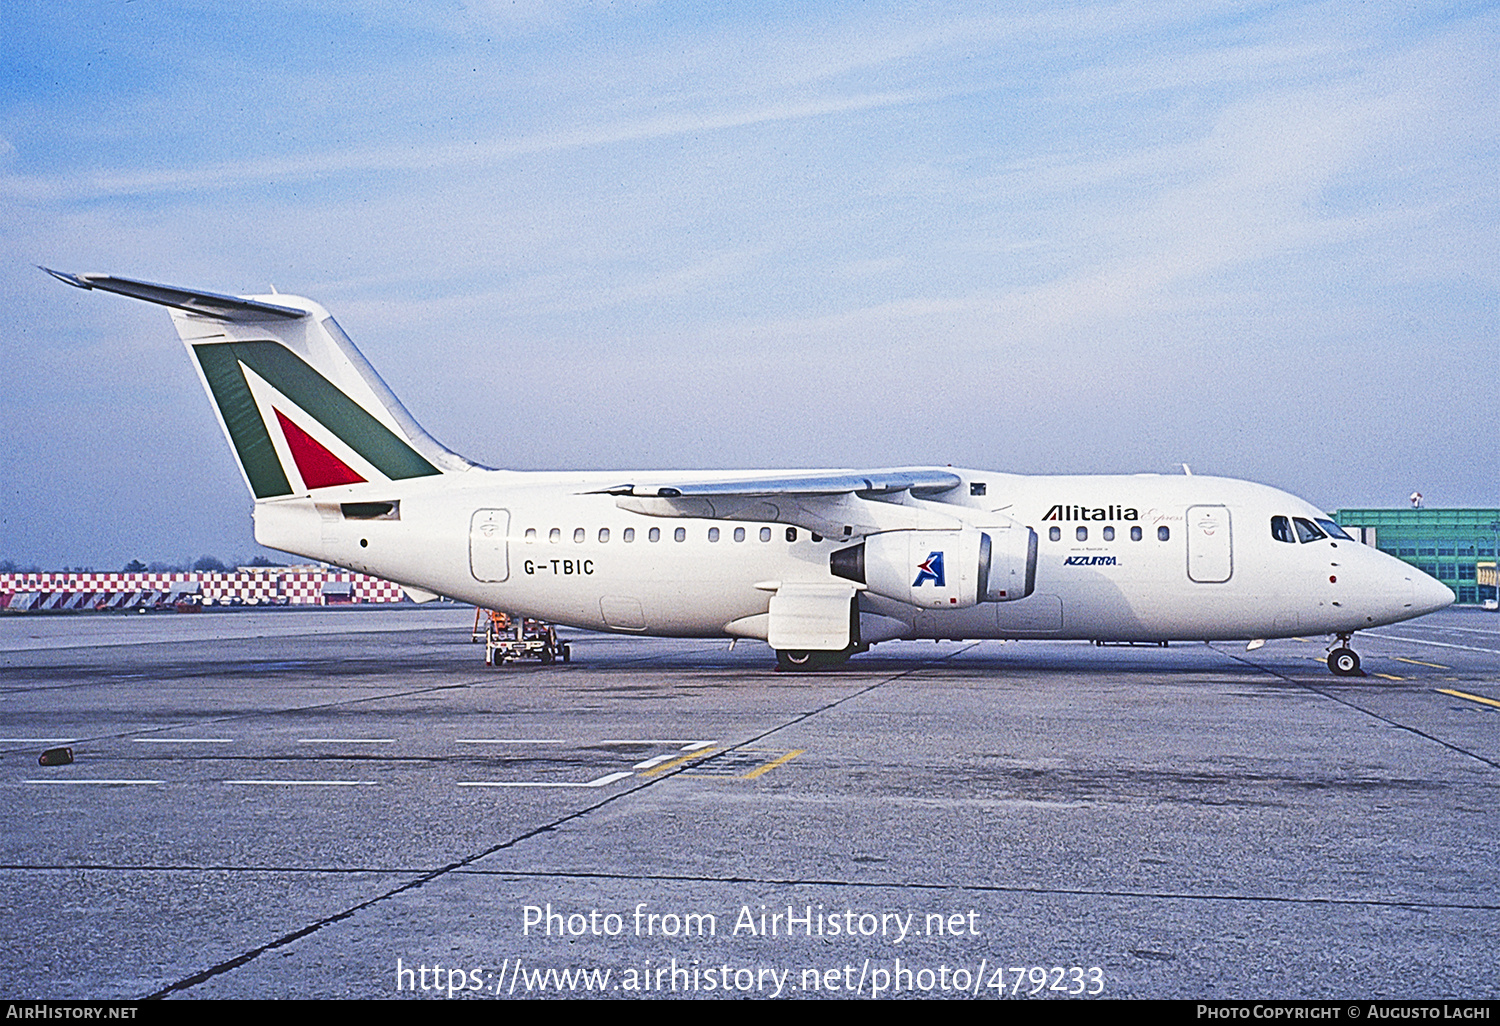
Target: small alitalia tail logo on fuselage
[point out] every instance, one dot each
(1059, 512)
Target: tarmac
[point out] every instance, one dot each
(348, 803)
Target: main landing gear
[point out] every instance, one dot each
(792, 660)
(1343, 661)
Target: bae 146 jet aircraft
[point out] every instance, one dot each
(820, 564)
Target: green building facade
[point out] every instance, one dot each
(1457, 546)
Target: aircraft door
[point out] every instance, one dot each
(489, 558)
(1210, 555)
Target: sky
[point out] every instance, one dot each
(1256, 238)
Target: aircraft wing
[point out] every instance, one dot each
(919, 481)
(208, 304)
(841, 504)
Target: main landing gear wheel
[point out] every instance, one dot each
(796, 660)
(1344, 662)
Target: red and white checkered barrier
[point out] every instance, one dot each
(297, 586)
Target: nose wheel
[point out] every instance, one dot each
(1344, 661)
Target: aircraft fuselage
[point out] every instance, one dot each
(1128, 558)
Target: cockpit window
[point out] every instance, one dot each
(1307, 531)
(1333, 530)
(1281, 529)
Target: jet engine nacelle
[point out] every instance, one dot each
(943, 569)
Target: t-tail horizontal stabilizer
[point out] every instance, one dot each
(207, 304)
(302, 408)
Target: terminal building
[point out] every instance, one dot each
(1457, 546)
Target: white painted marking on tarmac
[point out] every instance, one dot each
(608, 778)
(308, 783)
(1437, 644)
(38, 740)
(694, 746)
(81, 780)
(348, 741)
(508, 741)
(185, 740)
(652, 741)
(654, 762)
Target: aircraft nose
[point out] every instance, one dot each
(1429, 594)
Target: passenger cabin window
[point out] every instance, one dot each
(578, 535)
(1082, 534)
(1055, 534)
(680, 534)
(1307, 531)
(1135, 534)
(739, 534)
(554, 536)
(1109, 534)
(1163, 533)
(1281, 530)
(713, 534)
(603, 535)
(530, 536)
(654, 535)
(791, 534)
(628, 535)
(765, 534)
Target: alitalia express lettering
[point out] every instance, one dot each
(1060, 512)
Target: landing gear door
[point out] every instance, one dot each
(489, 559)
(1210, 556)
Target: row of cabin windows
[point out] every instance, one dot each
(1082, 533)
(580, 535)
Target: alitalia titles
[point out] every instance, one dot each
(1060, 512)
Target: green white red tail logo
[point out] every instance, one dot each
(291, 426)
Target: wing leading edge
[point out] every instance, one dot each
(920, 481)
(837, 505)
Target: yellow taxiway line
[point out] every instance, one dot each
(768, 767)
(699, 754)
(1465, 694)
(1418, 662)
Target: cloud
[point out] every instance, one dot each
(279, 170)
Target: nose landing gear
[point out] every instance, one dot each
(1343, 661)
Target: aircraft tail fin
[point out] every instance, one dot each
(300, 405)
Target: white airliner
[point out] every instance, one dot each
(820, 564)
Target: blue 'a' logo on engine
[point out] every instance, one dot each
(930, 569)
